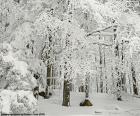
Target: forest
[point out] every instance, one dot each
(70, 57)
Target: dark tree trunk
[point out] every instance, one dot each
(48, 80)
(119, 97)
(46, 92)
(66, 86)
(117, 55)
(123, 80)
(123, 75)
(67, 72)
(66, 93)
(135, 89)
(101, 68)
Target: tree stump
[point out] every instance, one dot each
(86, 102)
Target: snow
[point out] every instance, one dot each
(18, 65)
(55, 32)
(103, 105)
(5, 107)
(17, 101)
(25, 78)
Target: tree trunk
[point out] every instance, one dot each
(97, 87)
(119, 97)
(66, 87)
(123, 74)
(123, 80)
(117, 68)
(66, 94)
(101, 66)
(49, 75)
(87, 86)
(135, 89)
(86, 102)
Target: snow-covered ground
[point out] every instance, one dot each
(103, 105)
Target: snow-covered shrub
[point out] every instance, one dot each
(14, 71)
(17, 101)
(19, 82)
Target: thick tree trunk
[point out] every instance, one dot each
(119, 82)
(135, 89)
(66, 86)
(117, 68)
(66, 93)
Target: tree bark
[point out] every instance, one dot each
(119, 97)
(101, 66)
(87, 86)
(49, 75)
(66, 94)
(117, 68)
(135, 88)
(66, 86)
(101, 70)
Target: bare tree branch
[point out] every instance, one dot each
(100, 30)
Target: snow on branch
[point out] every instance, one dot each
(98, 43)
(100, 30)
